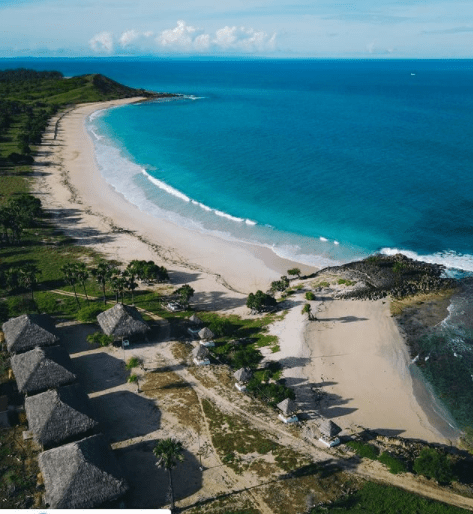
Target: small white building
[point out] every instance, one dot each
(329, 431)
(288, 410)
(200, 356)
(243, 375)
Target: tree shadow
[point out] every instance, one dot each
(211, 299)
(123, 415)
(344, 319)
(150, 484)
(99, 371)
(182, 277)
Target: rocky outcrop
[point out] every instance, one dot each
(397, 276)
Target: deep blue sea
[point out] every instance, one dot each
(324, 161)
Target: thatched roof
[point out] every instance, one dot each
(194, 319)
(81, 475)
(329, 429)
(243, 375)
(287, 407)
(200, 353)
(57, 415)
(42, 368)
(28, 331)
(206, 333)
(122, 321)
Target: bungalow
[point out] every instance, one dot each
(29, 331)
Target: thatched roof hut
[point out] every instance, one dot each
(122, 321)
(28, 331)
(58, 415)
(287, 407)
(206, 333)
(195, 320)
(81, 475)
(329, 429)
(243, 375)
(42, 368)
(200, 353)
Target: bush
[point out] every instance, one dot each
(394, 464)
(433, 464)
(89, 313)
(364, 449)
(310, 296)
(133, 378)
(221, 327)
(100, 338)
(133, 362)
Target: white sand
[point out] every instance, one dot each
(360, 362)
(355, 356)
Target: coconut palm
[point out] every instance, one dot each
(82, 276)
(102, 273)
(28, 277)
(70, 273)
(169, 453)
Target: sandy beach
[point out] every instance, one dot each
(354, 354)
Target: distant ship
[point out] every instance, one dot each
(412, 74)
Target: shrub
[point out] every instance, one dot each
(133, 378)
(133, 362)
(433, 464)
(394, 464)
(324, 283)
(221, 327)
(310, 295)
(100, 338)
(89, 313)
(364, 449)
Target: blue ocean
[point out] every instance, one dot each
(323, 161)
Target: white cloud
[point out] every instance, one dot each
(102, 42)
(130, 36)
(181, 36)
(186, 38)
(240, 39)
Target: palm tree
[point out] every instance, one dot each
(130, 283)
(70, 273)
(102, 273)
(27, 277)
(169, 453)
(82, 276)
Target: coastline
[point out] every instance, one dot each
(222, 273)
(76, 182)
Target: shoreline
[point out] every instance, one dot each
(174, 244)
(222, 273)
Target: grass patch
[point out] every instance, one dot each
(133, 362)
(233, 439)
(394, 464)
(175, 396)
(344, 281)
(375, 498)
(365, 450)
(18, 470)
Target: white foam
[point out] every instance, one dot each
(449, 259)
(250, 222)
(96, 114)
(165, 187)
(202, 206)
(336, 243)
(228, 216)
(324, 239)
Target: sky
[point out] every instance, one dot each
(267, 28)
